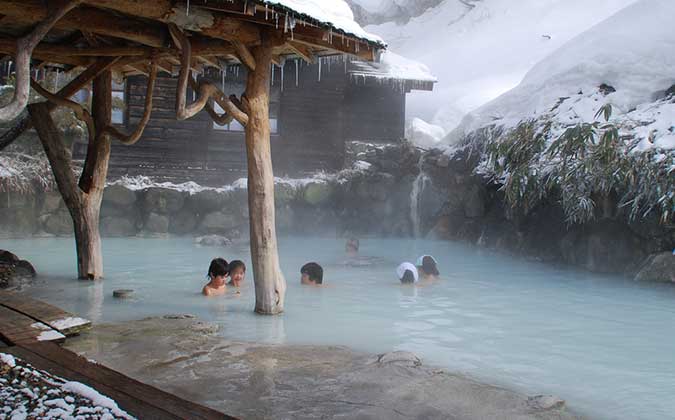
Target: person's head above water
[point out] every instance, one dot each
(427, 264)
(237, 270)
(352, 246)
(311, 273)
(218, 268)
(407, 273)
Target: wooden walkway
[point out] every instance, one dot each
(29, 330)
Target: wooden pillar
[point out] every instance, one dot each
(270, 285)
(84, 207)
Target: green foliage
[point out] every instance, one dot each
(587, 162)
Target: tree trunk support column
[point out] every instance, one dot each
(84, 207)
(270, 285)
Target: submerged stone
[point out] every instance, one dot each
(123, 293)
(659, 268)
(545, 402)
(212, 240)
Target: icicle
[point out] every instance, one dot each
(245, 6)
(58, 76)
(319, 69)
(297, 71)
(272, 74)
(187, 8)
(283, 64)
(222, 79)
(276, 20)
(286, 23)
(266, 16)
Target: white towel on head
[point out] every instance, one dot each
(420, 260)
(401, 269)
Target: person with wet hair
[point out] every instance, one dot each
(311, 274)
(237, 273)
(352, 247)
(428, 268)
(407, 273)
(218, 271)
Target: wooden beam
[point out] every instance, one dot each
(302, 50)
(209, 23)
(244, 55)
(88, 19)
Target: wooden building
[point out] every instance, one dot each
(314, 109)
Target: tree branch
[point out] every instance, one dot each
(24, 49)
(81, 113)
(147, 110)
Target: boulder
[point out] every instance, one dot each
(474, 203)
(51, 202)
(163, 200)
(404, 358)
(284, 193)
(118, 226)
(212, 240)
(317, 193)
(658, 267)
(183, 222)
(156, 223)
(119, 196)
(545, 402)
(218, 222)
(59, 223)
(208, 201)
(14, 272)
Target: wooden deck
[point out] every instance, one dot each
(28, 330)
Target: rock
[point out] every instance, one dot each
(16, 200)
(399, 357)
(658, 267)
(51, 202)
(212, 240)
(156, 223)
(163, 200)
(123, 293)
(317, 193)
(208, 201)
(284, 193)
(545, 402)
(474, 203)
(606, 89)
(218, 222)
(118, 226)
(205, 327)
(59, 223)
(119, 196)
(179, 316)
(14, 272)
(183, 222)
(443, 161)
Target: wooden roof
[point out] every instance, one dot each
(137, 31)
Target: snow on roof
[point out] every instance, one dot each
(394, 67)
(332, 13)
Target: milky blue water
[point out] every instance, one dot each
(605, 344)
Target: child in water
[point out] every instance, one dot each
(407, 273)
(218, 271)
(428, 268)
(237, 273)
(311, 274)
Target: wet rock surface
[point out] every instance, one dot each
(658, 267)
(185, 356)
(15, 273)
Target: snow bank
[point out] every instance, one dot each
(629, 55)
(335, 13)
(481, 49)
(423, 134)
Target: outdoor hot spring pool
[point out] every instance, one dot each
(605, 344)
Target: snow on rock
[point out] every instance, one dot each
(423, 134)
(26, 392)
(625, 61)
(335, 13)
(481, 49)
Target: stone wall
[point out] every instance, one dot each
(372, 197)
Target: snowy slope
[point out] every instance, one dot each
(632, 52)
(480, 49)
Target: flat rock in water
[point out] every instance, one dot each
(399, 357)
(14, 272)
(179, 316)
(123, 293)
(545, 402)
(212, 240)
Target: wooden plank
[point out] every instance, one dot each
(60, 320)
(103, 375)
(129, 403)
(17, 328)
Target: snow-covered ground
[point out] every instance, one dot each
(30, 393)
(480, 49)
(626, 61)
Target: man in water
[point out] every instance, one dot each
(352, 247)
(311, 274)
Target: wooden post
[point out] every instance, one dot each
(84, 207)
(270, 285)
